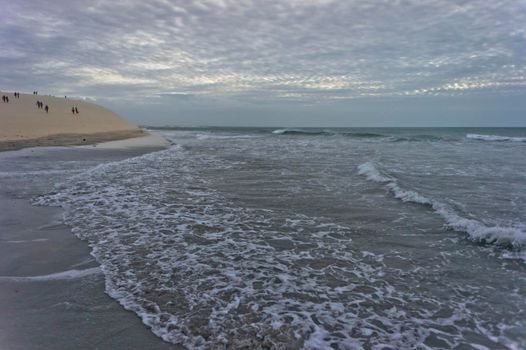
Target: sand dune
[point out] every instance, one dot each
(22, 124)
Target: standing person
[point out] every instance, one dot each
(76, 110)
(3, 98)
(7, 99)
(73, 110)
(46, 108)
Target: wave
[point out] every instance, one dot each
(222, 137)
(361, 135)
(506, 236)
(301, 132)
(64, 275)
(417, 138)
(326, 133)
(482, 137)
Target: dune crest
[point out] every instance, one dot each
(23, 124)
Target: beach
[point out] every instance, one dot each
(23, 124)
(51, 289)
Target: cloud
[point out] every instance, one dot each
(275, 50)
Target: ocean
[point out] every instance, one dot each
(290, 238)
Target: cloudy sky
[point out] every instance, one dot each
(275, 62)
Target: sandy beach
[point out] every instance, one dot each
(23, 124)
(51, 289)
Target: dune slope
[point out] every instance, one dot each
(23, 124)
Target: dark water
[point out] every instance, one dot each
(315, 238)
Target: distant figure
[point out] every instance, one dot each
(7, 99)
(65, 97)
(76, 110)
(46, 108)
(73, 110)
(3, 98)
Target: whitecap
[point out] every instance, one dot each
(477, 231)
(482, 137)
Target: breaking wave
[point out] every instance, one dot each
(326, 133)
(301, 132)
(417, 138)
(361, 135)
(506, 236)
(495, 138)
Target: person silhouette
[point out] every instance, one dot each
(46, 108)
(76, 110)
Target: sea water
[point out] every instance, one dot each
(314, 238)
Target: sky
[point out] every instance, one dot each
(275, 62)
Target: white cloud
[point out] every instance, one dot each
(299, 49)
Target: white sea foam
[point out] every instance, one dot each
(495, 138)
(38, 172)
(371, 173)
(207, 271)
(201, 271)
(222, 137)
(64, 275)
(477, 231)
(280, 131)
(27, 241)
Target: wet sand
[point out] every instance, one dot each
(51, 290)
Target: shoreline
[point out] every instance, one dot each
(70, 139)
(52, 292)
